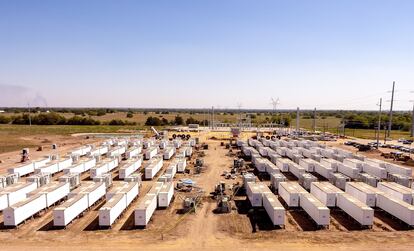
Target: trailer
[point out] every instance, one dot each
(72, 178)
(153, 167)
(290, 191)
(359, 211)
(99, 151)
(355, 163)
(254, 193)
(393, 168)
(15, 193)
(112, 209)
(368, 179)
(397, 208)
(82, 151)
(105, 178)
(400, 179)
(133, 152)
(308, 164)
(339, 180)
(283, 164)
(275, 179)
(54, 192)
(94, 192)
(315, 209)
(349, 171)
(135, 177)
(361, 192)
(22, 170)
(296, 170)
(81, 167)
(325, 192)
(145, 210)
(116, 152)
(23, 210)
(40, 179)
(374, 170)
(396, 191)
(333, 164)
(130, 167)
(168, 153)
(166, 194)
(306, 180)
(323, 171)
(104, 167)
(68, 211)
(151, 152)
(274, 209)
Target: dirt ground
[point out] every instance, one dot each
(169, 229)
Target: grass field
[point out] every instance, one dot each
(15, 137)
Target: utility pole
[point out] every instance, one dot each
(212, 108)
(30, 119)
(314, 120)
(379, 122)
(412, 122)
(392, 103)
(297, 120)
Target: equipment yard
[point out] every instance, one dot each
(174, 228)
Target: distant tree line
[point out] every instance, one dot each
(53, 118)
(178, 120)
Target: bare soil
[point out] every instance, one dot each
(169, 229)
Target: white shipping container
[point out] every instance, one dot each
(375, 170)
(349, 171)
(254, 193)
(151, 152)
(275, 179)
(289, 191)
(51, 167)
(69, 210)
(308, 164)
(145, 209)
(94, 192)
(296, 170)
(65, 163)
(325, 192)
(54, 192)
(112, 209)
(397, 208)
(168, 153)
(361, 192)
(15, 193)
(358, 164)
(23, 169)
(333, 164)
(23, 210)
(166, 194)
(314, 208)
(396, 191)
(323, 170)
(392, 168)
(283, 164)
(356, 209)
(130, 167)
(274, 209)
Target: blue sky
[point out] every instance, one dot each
(178, 54)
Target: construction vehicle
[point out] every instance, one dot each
(25, 155)
(159, 135)
(223, 204)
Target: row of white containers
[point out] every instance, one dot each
(79, 200)
(160, 195)
(130, 167)
(36, 201)
(117, 200)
